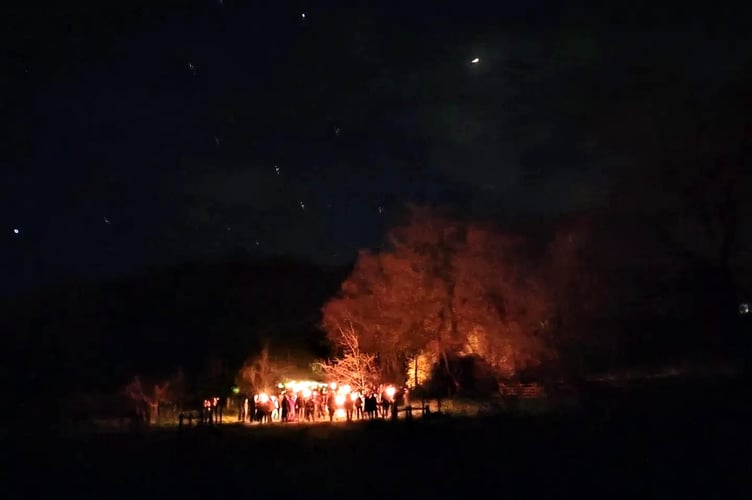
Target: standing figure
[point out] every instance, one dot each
(331, 405)
(371, 405)
(384, 405)
(359, 407)
(285, 407)
(310, 408)
(251, 409)
(300, 402)
(349, 406)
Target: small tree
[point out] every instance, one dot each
(261, 372)
(353, 367)
(151, 399)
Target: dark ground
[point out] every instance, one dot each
(636, 443)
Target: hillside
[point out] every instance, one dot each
(95, 335)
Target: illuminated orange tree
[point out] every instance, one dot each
(445, 288)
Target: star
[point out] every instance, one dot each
(16, 231)
(336, 131)
(192, 68)
(302, 15)
(475, 61)
(302, 205)
(381, 209)
(276, 169)
(106, 220)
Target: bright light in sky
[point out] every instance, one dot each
(302, 15)
(475, 61)
(16, 231)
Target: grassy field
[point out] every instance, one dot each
(672, 446)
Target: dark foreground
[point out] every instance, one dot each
(623, 447)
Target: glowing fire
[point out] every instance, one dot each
(306, 393)
(339, 399)
(391, 391)
(297, 386)
(264, 397)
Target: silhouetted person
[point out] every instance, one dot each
(384, 406)
(331, 405)
(285, 408)
(349, 406)
(359, 407)
(205, 413)
(320, 413)
(251, 409)
(371, 405)
(310, 408)
(270, 407)
(300, 403)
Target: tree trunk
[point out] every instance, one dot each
(448, 371)
(416, 370)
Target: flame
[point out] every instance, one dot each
(391, 391)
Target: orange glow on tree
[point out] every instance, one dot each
(444, 287)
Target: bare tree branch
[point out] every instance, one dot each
(354, 367)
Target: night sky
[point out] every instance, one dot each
(146, 134)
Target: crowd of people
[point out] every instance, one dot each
(325, 404)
